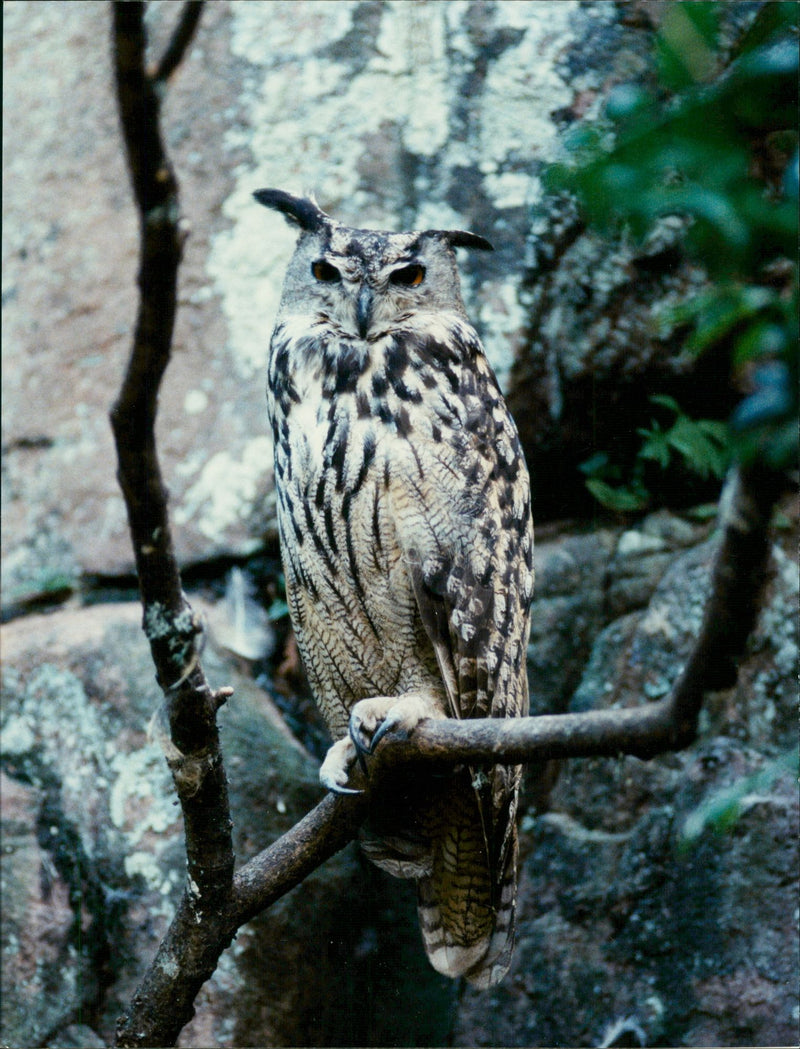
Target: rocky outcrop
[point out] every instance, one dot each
(636, 901)
(643, 892)
(396, 115)
(94, 864)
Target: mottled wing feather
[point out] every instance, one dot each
(470, 557)
(468, 548)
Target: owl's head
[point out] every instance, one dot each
(365, 282)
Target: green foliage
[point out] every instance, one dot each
(717, 147)
(701, 442)
(720, 811)
(702, 446)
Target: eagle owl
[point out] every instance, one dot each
(406, 536)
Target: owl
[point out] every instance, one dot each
(407, 543)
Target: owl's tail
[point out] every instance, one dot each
(467, 903)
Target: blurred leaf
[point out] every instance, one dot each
(716, 430)
(721, 810)
(656, 446)
(791, 179)
(761, 91)
(595, 465)
(686, 44)
(702, 453)
(723, 308)
(779, 16)
(665, 401)
(625, 100)
(704, 512)
(761, 339)
(722, 154)
(623, 500)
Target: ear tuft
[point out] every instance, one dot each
(300, 211)
(461, 238)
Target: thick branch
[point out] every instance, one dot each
(738, 576)
(736, 584)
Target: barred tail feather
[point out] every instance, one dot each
(465, 913)
(484, 961)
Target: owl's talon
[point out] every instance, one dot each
(372, 719)
(361, 742)
(386, 726)
(334, 773)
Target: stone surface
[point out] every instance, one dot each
(632, 904)
(396, 115)
(69, 273)
(44, 974)
(94, 862)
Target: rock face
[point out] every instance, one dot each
(94, 862)
(639, 902)
(630, 908)
(395, 115)
(626, 912)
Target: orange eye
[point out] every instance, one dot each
(408, 276)
(323, 271)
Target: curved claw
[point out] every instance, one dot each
(385, 726)
(344, 790)
(335, 769)
(359, 743)
(367, 720)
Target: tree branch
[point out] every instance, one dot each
(737, 579)
(171, 627)
(180, 40)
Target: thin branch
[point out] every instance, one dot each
(181, 38)
(171, 627)
(190, 952)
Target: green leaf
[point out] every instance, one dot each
(778, 16)
(715, 429)
(702, 454)
(597, 464)
(665, 401)
(623, 499)
(727, 306)
(703, 512)
(655, 447)
(760, 339)
(721, 810)
(686, 44)
(626, 100)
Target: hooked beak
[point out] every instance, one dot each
(364, 310)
